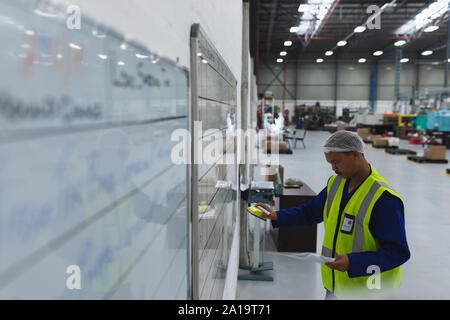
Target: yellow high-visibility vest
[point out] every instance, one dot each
(348, 232)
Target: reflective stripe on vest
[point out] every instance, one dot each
(333, 190)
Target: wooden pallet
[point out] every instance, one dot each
(423, 160)
(385, 147)
(400, 151)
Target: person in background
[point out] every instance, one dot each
(364, 224)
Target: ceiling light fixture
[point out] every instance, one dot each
(431, 28)
(360, 29)
(283, 53)
(399, 43)
(362, 60)
(294, 29)
(329, 53)
(279, 60)
(320, 60)
(342, 43)
(288, 43)
(404, 60)
(427, 53)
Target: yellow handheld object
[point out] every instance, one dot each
(256, 212)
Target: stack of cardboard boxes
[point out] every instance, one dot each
(435, 153)
(379, 141)
(364, 133)
(272, 141)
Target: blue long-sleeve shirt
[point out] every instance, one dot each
(386, 224)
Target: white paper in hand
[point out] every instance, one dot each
(311, 257)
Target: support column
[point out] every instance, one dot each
(398, 72)
(447, 51)
(336, 68)
(373, 84)
(284, 87)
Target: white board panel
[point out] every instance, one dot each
(86, 176)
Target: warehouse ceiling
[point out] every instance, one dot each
(272, 20)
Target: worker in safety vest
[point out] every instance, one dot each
(364, 224)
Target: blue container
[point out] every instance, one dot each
(439, 120)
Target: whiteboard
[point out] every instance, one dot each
(86, 177)
(214, 105)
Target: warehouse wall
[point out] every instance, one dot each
(316, 82)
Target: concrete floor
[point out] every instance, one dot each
(425, 189)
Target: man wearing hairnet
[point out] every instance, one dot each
(364, 224)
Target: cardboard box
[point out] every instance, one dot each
(277, 145)
(341, 126)
(435, 152)
(273, 177)
(364, 133)
(375, 137)
(380, 142)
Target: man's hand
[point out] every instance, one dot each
(272, 216)
(340, 264)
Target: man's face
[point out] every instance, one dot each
(343, 163)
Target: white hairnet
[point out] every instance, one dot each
(344, 141)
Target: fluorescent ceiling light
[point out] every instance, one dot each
(279, 60)
(44, 14)
(204, 61)
(342, 43)
(431, 28)
(103, 56)
(95, 33)
(74, 46)
(303, 8)
(294, 29)
(329, 53)
(378, 53)
(399, 43)
(283, 53)
(448, 60)
(320, 60)
(30, 32)
(404, 60)
(360, 29)
(314, 12)
(427, 52)
(121, 63)
(141, 56)
(362, 60)
(288, 43)
(123, 46)
(425, 17)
